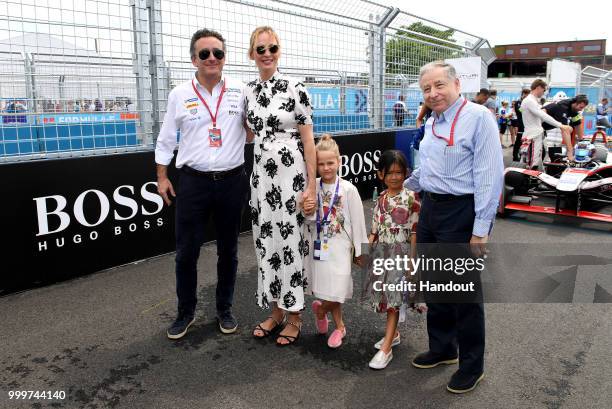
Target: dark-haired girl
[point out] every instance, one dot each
(393, 233)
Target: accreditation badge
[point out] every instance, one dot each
(214, 137)
(316, 254)
(324, 251)
(324, 254)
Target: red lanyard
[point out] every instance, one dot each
(449, 141)
(213, 117)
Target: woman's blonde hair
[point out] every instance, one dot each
(327, 143)
(259, 30)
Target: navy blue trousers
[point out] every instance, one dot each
(452, 326)
(199, 198)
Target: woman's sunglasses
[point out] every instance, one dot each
(261, 50)
(205, 53)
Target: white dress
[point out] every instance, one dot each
(275, 109)
(331, 279)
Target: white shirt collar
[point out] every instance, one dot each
(218, 85)
(450, 112)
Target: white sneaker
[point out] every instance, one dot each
(395, 342)
(381, 360)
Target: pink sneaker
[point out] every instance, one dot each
(322, 325)
(335, 339)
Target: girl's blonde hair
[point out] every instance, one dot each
(259, 30)
(327, 143)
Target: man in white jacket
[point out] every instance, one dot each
(533, 116)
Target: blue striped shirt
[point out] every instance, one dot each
(473, 165)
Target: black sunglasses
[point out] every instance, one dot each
(262, 49)
(205, 53)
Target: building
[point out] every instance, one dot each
(529, 60)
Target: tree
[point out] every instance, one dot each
(404, 55)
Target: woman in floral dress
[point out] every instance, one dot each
(282, 186)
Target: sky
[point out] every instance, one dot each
(518, 21)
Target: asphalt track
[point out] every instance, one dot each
(101, 339)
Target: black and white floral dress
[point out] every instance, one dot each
(275, 108)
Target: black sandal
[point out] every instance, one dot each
(290, 338)
(268, 332)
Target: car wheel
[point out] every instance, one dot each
(502, 211)
(516, 181)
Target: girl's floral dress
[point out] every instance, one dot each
(393, 222)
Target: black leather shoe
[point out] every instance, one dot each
(430, 360)
(179, 327)
(462, 383)
(227, 322)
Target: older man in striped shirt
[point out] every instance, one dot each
(460, 180)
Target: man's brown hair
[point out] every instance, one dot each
(538, 83)
(201, 34)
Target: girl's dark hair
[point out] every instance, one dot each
(389, 157)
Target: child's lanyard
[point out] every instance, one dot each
(329, 209)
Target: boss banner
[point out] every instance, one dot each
(71, 217)
(359, 155)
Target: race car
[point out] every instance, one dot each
(581, 188)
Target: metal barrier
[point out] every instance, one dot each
(596, 83)
(93, 77)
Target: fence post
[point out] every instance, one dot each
(144, 91)
(30, 82)
(342, 97)
(378, 43)
(483, 50)
(372, 59)
(159, 71)
(603, 81)
(62, 91)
